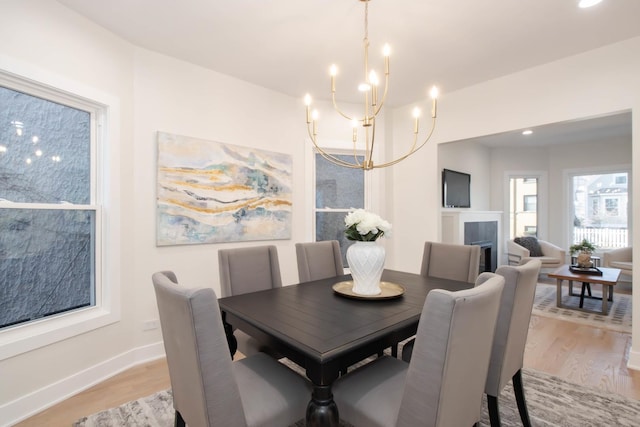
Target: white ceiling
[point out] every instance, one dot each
(594, 129)
(288, 45)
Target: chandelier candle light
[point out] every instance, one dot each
(372, 106)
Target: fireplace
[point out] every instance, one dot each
(482, 228)
(485, 235)
(486, 250)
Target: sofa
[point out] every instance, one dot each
(522, 249)
(619, 258)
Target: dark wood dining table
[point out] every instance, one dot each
(324, 332)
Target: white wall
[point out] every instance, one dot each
(214, 107)
(47, 41)
(474, 159)
(156, 93)
(591, 84)
(160, 93)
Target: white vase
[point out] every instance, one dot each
(366, 262)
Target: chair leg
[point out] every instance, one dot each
(494, 412)
(520, 400)
(179, 422)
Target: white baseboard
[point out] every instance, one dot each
(32, 403)
(634, 360)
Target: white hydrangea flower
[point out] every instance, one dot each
(365, 226)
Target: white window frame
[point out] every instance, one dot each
(371, 180)
(315, 209)
(104, 154)
(568, 176)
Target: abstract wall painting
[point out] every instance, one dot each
(209, 192)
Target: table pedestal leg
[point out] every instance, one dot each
(322, 411)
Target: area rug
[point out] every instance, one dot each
(551, 402)
(618, 319)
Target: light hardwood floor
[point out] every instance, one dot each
(580, 354)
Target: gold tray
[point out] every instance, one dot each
(388, 290)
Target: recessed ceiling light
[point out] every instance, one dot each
(527, 132)
(588, 3)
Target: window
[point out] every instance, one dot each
(523, 205)
(611, 207)
(337, 189)
(600, 209)
(595, 207)
(50, 217)
(530, 203)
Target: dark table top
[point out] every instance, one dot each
(323, 331)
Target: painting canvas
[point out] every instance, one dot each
(209, 192)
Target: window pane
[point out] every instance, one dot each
(46, 263)
(45, 150)
(330, 226)
(338, 187)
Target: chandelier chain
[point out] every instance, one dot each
(366, 20)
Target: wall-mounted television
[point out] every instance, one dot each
(456, 189)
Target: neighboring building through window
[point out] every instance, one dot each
(600, 208)
(338, 189)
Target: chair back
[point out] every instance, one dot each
(319, 260)
(449, 261)
(204, 388)
(250, 269)
(447, 373)
(512, 327)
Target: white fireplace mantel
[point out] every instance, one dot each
(453, 221)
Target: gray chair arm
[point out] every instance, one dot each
(516, 253)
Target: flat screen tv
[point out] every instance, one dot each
(456, 189)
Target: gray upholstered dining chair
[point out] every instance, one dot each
(244, 270)
(319, 260)
(447, 261)
(450, 261)
(443, 384)
(209, 389)
(511, 335)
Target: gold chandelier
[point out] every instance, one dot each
(372, 106)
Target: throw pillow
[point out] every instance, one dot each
(530, 243)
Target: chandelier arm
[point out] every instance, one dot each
(413, 150)
(329, 157)
(373, 141)
(384, 95)
(335, 107)
(355, 155)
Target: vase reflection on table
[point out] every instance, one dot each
(365, 257)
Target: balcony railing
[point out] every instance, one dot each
(603, 238)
